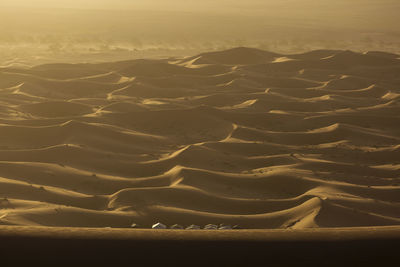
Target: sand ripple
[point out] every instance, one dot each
(242, 136)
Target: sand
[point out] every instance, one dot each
(243, 137)
(360, 246)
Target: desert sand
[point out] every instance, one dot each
(355, 246)
(242, 137)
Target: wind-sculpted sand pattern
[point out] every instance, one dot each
(241, 136)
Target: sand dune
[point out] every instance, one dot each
(242, 136)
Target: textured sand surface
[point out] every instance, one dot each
(241, 136)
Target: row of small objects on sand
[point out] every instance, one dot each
(192, 227)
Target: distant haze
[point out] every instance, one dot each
(377, 13)
(161, 27)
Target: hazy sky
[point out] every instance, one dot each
(101, 4)
(190, 3)
(202, 23)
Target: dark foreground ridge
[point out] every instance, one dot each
(364, 246)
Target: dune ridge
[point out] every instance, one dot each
(243, 136)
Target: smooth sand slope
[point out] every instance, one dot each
(243, 137)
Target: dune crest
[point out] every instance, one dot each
(242, 136)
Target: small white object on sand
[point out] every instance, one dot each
(224, 227)
(211, 227)
(159, 226)
(193, 227)
(176, 226)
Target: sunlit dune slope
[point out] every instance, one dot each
(243, 137)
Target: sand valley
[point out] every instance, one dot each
(241, 136)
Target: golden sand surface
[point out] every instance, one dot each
(242, 136)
